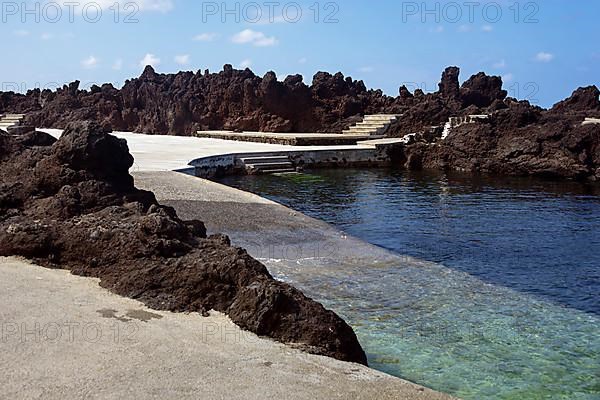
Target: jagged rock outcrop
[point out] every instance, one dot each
(182, 103)
(517, 139)
(482, 91)
(583, 101)
(72, 204)
(449, 86)
(239, 100)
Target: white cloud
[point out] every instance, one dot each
(46, 36)
(464, 28)
(118, 64)
(303, 60)
(508, 77)
(183, 59)
(206, 37)
(258, 39)
(89, 63)
(500, 64)
(21, 32)
(150, 59)
(246, 64)
(487, 28)
(544, 57)
(366, 69)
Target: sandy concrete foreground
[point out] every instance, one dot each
(63, 336)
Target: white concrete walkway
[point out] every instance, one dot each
(64, 337)
(172, 153)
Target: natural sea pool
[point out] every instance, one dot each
(508, 306)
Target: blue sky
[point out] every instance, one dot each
(544, 49)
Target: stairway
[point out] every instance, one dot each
(267, 164)
(591, 121)
(372, 125)
(10, 120)
(455, 122)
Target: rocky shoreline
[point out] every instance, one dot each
(500, 135)
(513, 137)
(72, 204)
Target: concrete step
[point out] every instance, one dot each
(271, 165)
(370, 125)
(379, 118)
(263, 159)
(362, 135)
(374, 122)
(279, 171)
(379, 121)
(362, 130)
(268, 164)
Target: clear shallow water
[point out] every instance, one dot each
(508, 307)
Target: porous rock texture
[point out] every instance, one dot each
(182, 103)
(518, 138)
(72, 204)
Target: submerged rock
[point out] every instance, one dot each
(72, 204)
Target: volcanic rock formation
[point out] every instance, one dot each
(518, 138)
(183, 103)
(72, 204)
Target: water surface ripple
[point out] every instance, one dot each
(501, 299)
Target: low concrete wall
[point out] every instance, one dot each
(230, 164)
(287, 140)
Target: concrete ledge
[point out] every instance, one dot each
(230, 164)
(289, 139)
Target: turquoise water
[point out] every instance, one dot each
(501, 299)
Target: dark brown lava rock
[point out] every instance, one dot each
(518, 138)
(72, 204)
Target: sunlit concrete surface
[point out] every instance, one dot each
(171, 153)
(64, 337)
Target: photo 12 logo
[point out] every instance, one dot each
(69, 11)
(470, 12)
(270, 12)
(66, 332)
